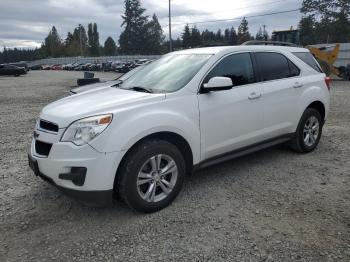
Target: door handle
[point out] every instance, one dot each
(254, 95)
(298, 85)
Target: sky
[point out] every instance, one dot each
(25, 23)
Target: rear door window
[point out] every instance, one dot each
(275, 66)
(308, 59)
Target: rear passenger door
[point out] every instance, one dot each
(280, 83)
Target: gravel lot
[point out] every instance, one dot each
(274, 205)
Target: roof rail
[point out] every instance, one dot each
(258, 42)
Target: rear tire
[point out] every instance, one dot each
(309, 131)
(145, 182)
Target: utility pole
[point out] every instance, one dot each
(81, 43)
(170, 40)
(264, 33)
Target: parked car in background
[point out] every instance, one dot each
(21, 64)
(107, 66)
(78, 67)
(70, 67)
(103, 85)
(142, 61)
(115, 65)
(46, 67)
(56, 67)
(36, 67)
(185, 111)
(110, 66)
(95, 67)
(7, 69)
(122, 68)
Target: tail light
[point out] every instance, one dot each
(328, 81)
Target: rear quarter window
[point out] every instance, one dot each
(308, 59)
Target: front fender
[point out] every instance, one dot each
(132, 125)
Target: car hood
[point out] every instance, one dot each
(108, 100)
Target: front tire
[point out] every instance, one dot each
(151, 175)
(309, 131)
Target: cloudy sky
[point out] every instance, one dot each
(25, 23)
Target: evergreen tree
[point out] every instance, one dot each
(53, 45)
(341, 28)
(307, 30)
(218, 36)
(76, 43)
(154, 37)
(110, 47)
(329, 21)
(195, 38)
(93, 39)
(186, 37)
(16, 55)
(233, 37)
(227, 36)
(243, 34)
(133, 37)
(259, 35)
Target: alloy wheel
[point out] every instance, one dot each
(311, 131)
(157, 178)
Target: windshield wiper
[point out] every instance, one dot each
(141, 89)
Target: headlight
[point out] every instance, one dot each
(84, 130)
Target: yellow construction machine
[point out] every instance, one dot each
(327, 59)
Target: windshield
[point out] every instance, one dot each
(130, 73)
(168, 74)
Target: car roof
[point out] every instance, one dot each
(230, 49)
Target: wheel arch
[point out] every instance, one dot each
(320, 107)
(179, 141)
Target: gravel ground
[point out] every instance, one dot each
(273, 205)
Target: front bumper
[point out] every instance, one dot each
(78, 171)
(95, 198)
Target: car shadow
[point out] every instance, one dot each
(229, 170)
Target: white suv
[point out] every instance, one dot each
(185, 111)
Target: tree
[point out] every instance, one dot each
(186, 37)
(93, 39)
(243, 34)
(131, 40)
(233, 37)
(110, 47)
(195, 37)
(341, 28)
(307, 30)
(227, 36)
(76, 43)
(325, 20)
(53, 44)
(326, 8)
(154, 37)
(259, 35)
(16, 55)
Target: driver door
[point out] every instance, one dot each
(231, 119)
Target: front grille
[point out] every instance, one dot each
(42, 148)
(48, 126)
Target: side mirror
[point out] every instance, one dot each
(218, 83)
